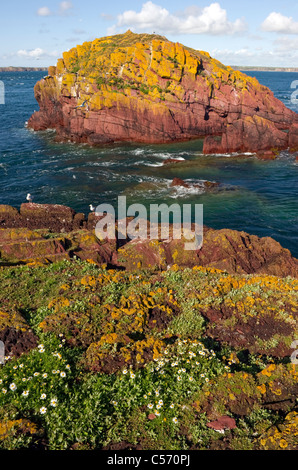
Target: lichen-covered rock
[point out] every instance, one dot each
(226, 250)
(142, 87)
(15, 333)
(283, 436)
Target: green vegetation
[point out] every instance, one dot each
(133, 356)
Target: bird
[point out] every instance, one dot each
(81, 105)
(92, 208)
(29, 197)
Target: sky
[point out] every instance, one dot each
(34, 33)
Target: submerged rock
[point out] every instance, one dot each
(144, 88)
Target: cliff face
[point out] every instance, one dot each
(144, 88)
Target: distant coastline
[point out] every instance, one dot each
(235, 67)
(264, 69)
(23, 69)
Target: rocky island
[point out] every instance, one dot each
(144, 88)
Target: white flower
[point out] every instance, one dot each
(150, 406)
(13, 387)
(4, 390)
(124, 371)
(62, 374)
(43, 396)
(172, 405)
(175, 420)
(25, 393)
(45, 375)
(132, 376)
(43, 410)
(36, 374)
(54, 402)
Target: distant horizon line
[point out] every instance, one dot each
(235, 67)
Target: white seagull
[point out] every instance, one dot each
(81, 105)
(92, 208)
(29, 197)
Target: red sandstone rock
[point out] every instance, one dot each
(21, 238)
(171, 160)
(180, 182)
(268, 155)
(198, 98)
(223, 423)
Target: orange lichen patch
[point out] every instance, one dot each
(113, 352)
(70, 58)
(128, 329)
(281, 437)
(191, 63)
(58, 303)
(21, 426)
(231, 393)
(279, 386)
(60, 68)
(83, 50)
(12, 319)
(244, 315)
(52, 70)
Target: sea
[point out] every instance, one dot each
(255, 196)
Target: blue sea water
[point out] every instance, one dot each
(259, 197)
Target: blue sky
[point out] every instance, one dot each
(264, 33)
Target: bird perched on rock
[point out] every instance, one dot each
(92, 208)
(29, 197)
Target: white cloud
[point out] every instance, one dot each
(211, 19)
(278, 23)
(44, 11)
(64, 9)
(36, 53)
(286, 44)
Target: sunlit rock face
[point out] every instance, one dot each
(144, 88)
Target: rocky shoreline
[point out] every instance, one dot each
(43, 233)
